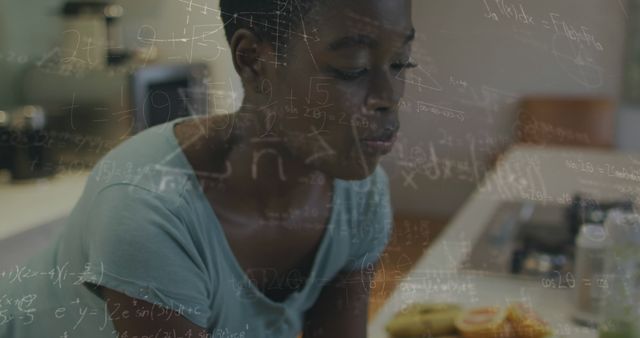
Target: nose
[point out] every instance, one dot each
(381, 97)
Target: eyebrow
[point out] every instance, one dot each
(362, 40)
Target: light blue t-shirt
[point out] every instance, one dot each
(144, 227)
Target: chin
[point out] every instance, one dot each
(350, 171)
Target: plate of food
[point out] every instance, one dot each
(448, 320)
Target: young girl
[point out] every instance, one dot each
(261, 223)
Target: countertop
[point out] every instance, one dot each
(534, 173)
(31, 203)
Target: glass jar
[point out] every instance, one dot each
(621, 288)
(589, 268)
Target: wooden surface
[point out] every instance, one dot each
(569, 121)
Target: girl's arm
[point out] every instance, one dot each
(136, 317)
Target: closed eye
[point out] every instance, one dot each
(349, 75)
(403, 65)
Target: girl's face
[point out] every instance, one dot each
(334, 97)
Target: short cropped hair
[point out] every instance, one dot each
(275, 21)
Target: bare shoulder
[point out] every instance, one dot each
(212, 131)
(207, 139)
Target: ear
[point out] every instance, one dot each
(249, 54)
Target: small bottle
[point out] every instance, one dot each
(621, 294)
(589, 269)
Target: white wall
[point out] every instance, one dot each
(629, 127)
(629, 114)
(476, 64)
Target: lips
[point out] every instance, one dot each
(378, 145)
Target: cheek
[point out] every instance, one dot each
(322, 113)
(400, 84)
(345, 108)
(320, 105)
(350, 97)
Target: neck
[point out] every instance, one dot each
(263, 172)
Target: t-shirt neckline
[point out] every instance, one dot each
(226, 248)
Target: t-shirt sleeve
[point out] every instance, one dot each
(374, 228)
(137, 244)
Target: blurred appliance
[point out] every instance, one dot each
(23, 149)
(90, 33)
(588, 210)
(87, 114)
(5, 140)
(162, 93)
(523, 239)
(535, 240)
(571, 121)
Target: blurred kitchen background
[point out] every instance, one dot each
(76, 61)
(79, 77)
